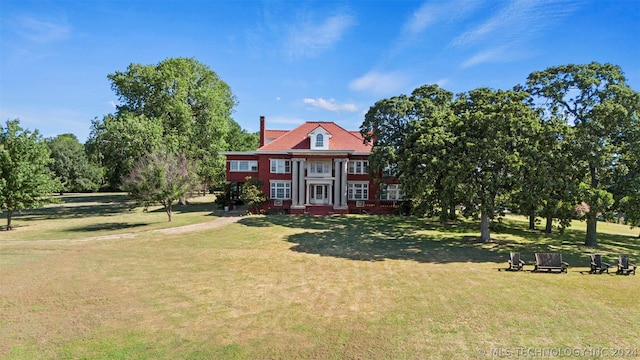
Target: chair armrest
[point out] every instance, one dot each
(606, 264)
(565, 263)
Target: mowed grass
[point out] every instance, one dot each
(92, 215)
(290, 287)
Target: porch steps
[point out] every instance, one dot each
(319, 210)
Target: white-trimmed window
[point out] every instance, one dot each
(243, 165)
(319, 139)
(358, 167)
(279, 166)
(281, 190)
(319, 168)
(358, 190)
(391, 192)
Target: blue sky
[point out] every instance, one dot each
(296, 61)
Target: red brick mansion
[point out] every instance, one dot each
(318, 168)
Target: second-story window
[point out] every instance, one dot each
(319, 141)
(279, 166)
(358, 167)
(243, 165)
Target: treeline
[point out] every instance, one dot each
(563, 145)
(175, 112)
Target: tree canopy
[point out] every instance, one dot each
(604, 111)
(71, 164)
(463, 151)
(570, 136)
(186, 106)
(25, 178)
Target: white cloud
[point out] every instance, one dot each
(308, 39)
(519, 20)
(442, 82)
(380, 83)
(330, 105)
(42, 31)
(492, 55)
(431, 13)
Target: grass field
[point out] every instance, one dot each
(290, 287)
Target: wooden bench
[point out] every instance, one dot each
(550, 262)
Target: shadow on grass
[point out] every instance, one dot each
(74, 206)
(178, 208)
(98, 198)
(377, 238)
(107, 226)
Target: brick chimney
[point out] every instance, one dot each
(261, 131)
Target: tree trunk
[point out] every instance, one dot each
(167, 208)
(532, 222)
(592, 223)
(549, 226)
(485, 233)
(452, 211)
(592, 216)
(444, 215)
(9, 215)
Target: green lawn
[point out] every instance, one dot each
(291, 287)
(91, 215)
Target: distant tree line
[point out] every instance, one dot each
(172, 118)
(565, 144)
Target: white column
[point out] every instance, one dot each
(301, 188)
(336, 182)
(343, 184)
(294, 181)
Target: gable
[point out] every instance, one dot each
(319, 139)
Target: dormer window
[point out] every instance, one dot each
(319, 139)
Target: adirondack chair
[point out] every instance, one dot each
(515, 262)
(624, 266)
(550, 262)
(597, 266)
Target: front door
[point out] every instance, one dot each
(319, 194)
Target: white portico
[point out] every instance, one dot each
(319, 181)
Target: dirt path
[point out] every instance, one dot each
(218, 222)
(221, 221)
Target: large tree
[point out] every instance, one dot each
(494, 135)
(71, 164)
(159, 179)
(603, 109)
(190, 101)
(548, 184)
(427, 158)
(117, 142)
(25, 178)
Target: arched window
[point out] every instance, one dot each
(319, 141)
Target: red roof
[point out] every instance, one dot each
(298, 138)
(274, 134)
